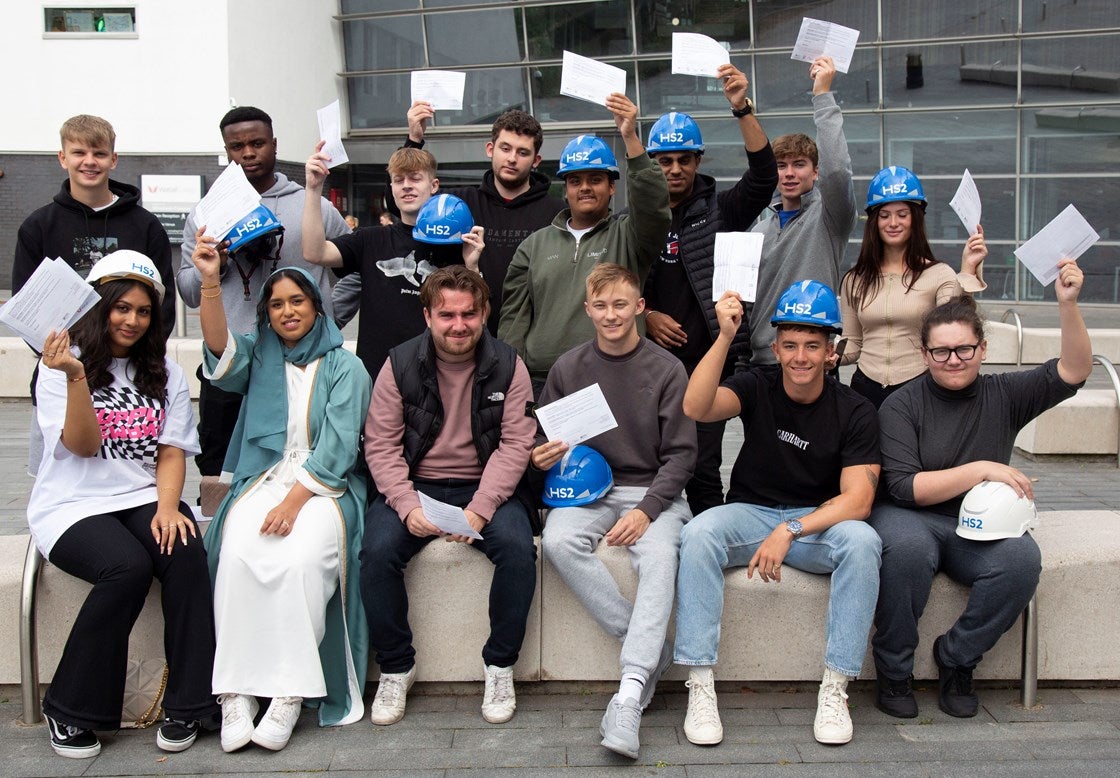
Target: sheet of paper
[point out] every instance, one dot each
(698, 55)
(737, 256)
(577, 417)
(442, 88)
(52, 299)
(448, 518)
(1067, 235)
(330, 130)
(230, 199)
(821, 39)
(966, 203)
(589, 79)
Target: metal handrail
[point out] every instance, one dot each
(1018, 333)
(1106, 363)
(28, 640)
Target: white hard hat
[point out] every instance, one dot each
(129, 264)
(993, 511)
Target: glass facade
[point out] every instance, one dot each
(1023, 93)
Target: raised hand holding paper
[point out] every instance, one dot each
(698, 55)
(54, 298)
(442, 88)
(737, 256)
(1067, 235)
(966, 203)
(825, 39)
(590, 80)
(330, 132)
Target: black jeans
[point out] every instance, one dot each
(117, 554)
(217, 415)
(387, 548)
(873, 390)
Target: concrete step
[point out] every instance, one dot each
(1087, 423)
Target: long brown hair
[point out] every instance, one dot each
(866, 272)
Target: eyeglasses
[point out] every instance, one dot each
(964, 353)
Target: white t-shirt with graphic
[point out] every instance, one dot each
(122, 474)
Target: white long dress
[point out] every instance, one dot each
(271, 591)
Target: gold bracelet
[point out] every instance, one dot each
(211, 286)
(82, 377)
(212, 296)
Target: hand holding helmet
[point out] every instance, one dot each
(992, 510)
(581, 477)
(985, 470)
(548, 454)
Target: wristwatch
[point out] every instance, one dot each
(794, 527)
(746, 110)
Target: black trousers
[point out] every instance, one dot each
(117, 554)
(217, 415)
(873, 390)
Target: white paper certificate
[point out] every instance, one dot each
(577, 417)
(1068, 235)
(448, 518)
(52, 299)
(442, 88)
(698, 55)
(330, 130)
(737, 256)
(229, 200)
(590, 80)
(825, 39)
(966, 203)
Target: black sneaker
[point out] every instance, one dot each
(176, 735)
(72, 742)
(956, 696)
(896, 698)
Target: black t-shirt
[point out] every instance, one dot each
(793, 452)
(392, 266)
(673, 292)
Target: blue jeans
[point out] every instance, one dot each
(728, 535)
(387, 548)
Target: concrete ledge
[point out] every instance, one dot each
(769, 632)
(1086, 423)
(1042, 343)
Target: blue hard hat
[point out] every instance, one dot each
(675, 132)
(580, 478)
(895, 184)
(810, 303)
(443, 219)
(260, 225)
(587, 152)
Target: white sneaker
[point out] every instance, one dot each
(701, 723)
(499, 700)
(833, 725)
(238, 712)
(391, 698)
(275, 729)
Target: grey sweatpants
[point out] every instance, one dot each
(570, 538)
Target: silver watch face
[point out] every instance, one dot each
(794, 527)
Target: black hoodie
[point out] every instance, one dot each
(80, 235)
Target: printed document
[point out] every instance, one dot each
(590, 80)
(52, 299)
(1068, 235)
(966, 202)
(448, 518)
(698, 55)
(330, 130)
(442, 88)
(229, 200)
(825, 39)
(737, 257)
(577, 417)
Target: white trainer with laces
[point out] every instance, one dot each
(238, 712)
(391, 698)
(833, 724)
(275, 729)
(701, 723)
(499, 700)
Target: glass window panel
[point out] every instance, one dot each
(589, 29)
(372, 6)
(728, 21)
(383, 44)
(663, 91)
(943, 226)
(1101, 265)
(860, 130)
(777, 23)
(724, 155)
(448, 46)
(1071, 69)
(908, 19)
(1070, 15)
(382, 101)
(781, 82)
(1071, 140)
(946, 142)
(551, 106)
(1095, 198)
(957, 74)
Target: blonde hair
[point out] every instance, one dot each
(410, 160)
(92, 130)
(608, 274)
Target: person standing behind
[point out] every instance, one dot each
(541, 317)
(895, 283)
(249, 141)
(447, 419)
(805, 235)
(680, 315)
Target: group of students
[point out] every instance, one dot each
(461, 332)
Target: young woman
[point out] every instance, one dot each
(284, 543)
(894, 283)
(117, 424)
(940, 436)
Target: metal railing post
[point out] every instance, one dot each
(1030, 653)
(1106, 363)
(28, 640)
(1018, 334)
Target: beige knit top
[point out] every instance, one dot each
(884, 336)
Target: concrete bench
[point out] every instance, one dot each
(1086, 423)
(1041, 343)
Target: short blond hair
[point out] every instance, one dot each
(92, 130)
(608, 274)
(412, 160)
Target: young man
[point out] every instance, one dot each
(651, 454)
(540, 315)
(801, 487)
(680, 315)
(392, 264)
(447, 419)
(249, 141)
(511, 202)
(809, 225)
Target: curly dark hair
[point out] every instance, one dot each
(146, 357)
(868, 267)
(519, 123)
